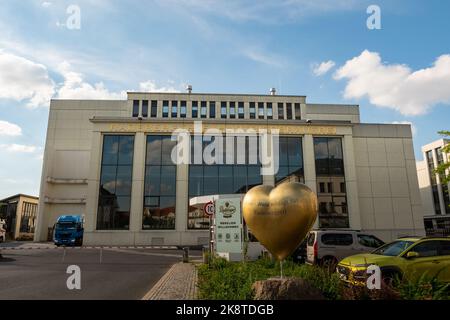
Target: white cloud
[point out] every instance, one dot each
(22, 79)
(46, 4)
(151, 86)
(396, 86)
(18, 148)
(413, 127)
(323, 68)
(9, 129)
(260, 56)
(74, 87)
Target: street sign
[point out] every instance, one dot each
(208, 208)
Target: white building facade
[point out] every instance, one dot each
(434, 193)
(110, 161)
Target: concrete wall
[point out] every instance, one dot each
(389, 196)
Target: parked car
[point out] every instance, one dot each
(299, 255)
(327, 247)
(405, 258)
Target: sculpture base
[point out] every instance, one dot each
(285, 289)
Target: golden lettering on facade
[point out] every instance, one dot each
(171, 127)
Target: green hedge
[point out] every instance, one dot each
(223, 280)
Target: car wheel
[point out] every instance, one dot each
(329, 263)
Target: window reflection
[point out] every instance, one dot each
(220, 179)
(115, 183)
(331, 188)
(159, 184)
(290, 160)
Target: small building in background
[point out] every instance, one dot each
(19, 213)
(434, 193)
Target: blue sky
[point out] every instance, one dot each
(318, 48)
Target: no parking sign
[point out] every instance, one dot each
(209, 209)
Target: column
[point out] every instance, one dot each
(137, 189)
(181, 210)
(90, 221)
(438, 182)
(350, 183)
(309, 166)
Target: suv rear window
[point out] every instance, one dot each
(337, 239)
(311, 238)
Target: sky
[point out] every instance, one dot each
(397, 72)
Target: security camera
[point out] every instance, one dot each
(140, 118)
(308, 121)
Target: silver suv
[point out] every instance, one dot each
(327, 247)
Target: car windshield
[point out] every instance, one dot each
(394, 248)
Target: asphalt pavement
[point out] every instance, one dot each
(106, 273)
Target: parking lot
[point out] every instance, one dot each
(39, 271)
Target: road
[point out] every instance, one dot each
(105, 274)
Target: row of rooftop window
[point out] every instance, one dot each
(207, 109)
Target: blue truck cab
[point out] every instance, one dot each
(69, 231)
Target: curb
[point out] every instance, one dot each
(90, 247)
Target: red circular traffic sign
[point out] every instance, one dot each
(208, 208)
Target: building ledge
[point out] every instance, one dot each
(64, 201)
(66, 181)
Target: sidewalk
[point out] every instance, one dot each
(179, 283)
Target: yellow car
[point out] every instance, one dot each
(406, 258)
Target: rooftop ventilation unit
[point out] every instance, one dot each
(189, 88)
(273, 91)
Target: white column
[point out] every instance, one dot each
(137, 189)
(350, 183)
(182, 190)
(309, 166)
(90, 221)
(438, 182)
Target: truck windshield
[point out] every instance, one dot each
(66, 225)
(394, 248)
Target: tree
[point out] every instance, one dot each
(443, 169)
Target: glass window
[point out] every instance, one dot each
(337, 239)
(289, 110)
(252, 110)
(330, 173)
(174, 109)
(219, 179)
(212, 109)
(445, 248)
(369, 241)
(281, 111)
(165, 109)
(159, 184)
(135, 108)
(145, 108)
(154, 111)
(269, 110)
(427, 248)
(298, 115)
(290, 160)
(183, 109)
(261, 111)
(232, 110)
(223, 110)
(241, 113)
(194, 109)
(115, 183)
(203, 110)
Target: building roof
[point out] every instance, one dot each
(18, 196)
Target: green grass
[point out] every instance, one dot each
(223, 280)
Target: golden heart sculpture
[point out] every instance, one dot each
(280, 217)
